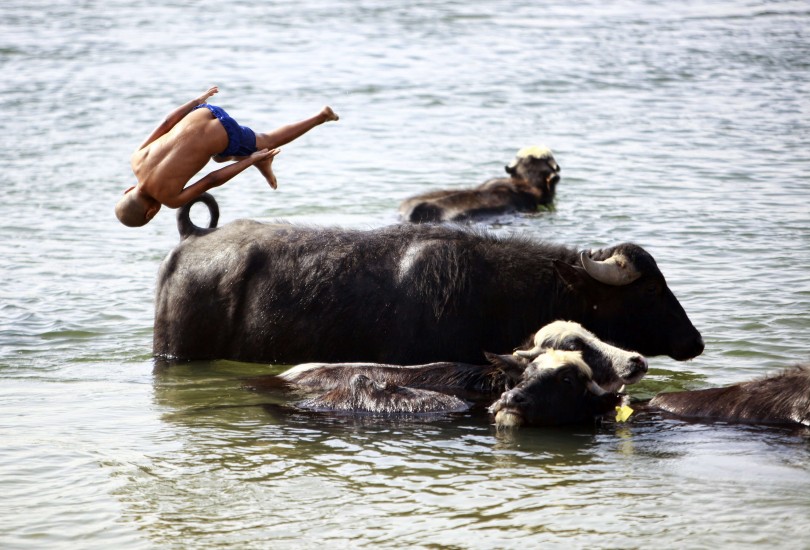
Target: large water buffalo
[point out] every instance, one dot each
(404, 294)
(532, 181)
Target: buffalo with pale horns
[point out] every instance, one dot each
(533, 178)
(405, 294)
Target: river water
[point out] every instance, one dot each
(684, 127)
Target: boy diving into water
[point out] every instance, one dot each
(182, 145)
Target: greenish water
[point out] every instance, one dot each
(683, 128)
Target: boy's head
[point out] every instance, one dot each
(135, 208)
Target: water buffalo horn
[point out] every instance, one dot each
(616, 270)
(595, 388)
(529, 353)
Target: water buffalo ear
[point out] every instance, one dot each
(572, 277)
(511, 365)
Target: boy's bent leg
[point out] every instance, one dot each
(286, 134)
(265, 166)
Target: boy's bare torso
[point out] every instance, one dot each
(164, 166)
(182, 145)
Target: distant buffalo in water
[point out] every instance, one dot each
(406, 294)
(781, 398)
(532, 181)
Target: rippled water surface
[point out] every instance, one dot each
(683, 127)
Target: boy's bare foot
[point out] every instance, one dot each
(329, 114)
(265, 166)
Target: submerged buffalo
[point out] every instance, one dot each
(611, 367)
(446, 376)
(404, 294)
(558, 388)
(780, 398)
(363, 395)
(533, 178)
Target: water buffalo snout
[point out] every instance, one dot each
(690, 349)
(513, 398)
(699, 345)
(638, 366)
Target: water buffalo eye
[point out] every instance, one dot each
(569, 344)
(567, 380)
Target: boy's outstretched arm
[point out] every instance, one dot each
(217, 178)
(177, 115)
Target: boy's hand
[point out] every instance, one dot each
(211, 91)
(263, 154)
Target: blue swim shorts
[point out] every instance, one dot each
(241, 139)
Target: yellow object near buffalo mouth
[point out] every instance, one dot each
(623, 412)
